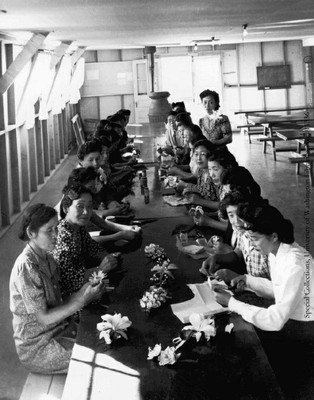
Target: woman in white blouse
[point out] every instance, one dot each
(291, 270)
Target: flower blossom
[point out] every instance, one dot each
(154, 352)
(153, 298)
(200, 325)
(97, 277)
(154, 251)
(113, 327)
(168, 356)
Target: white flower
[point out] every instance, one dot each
(97, 276)
(153, 299)
(164, 268)
(113, 324)
(106, 336)
(200, 325)
(152, 353)
(216, 115)
(154, 251)
(229, 327)
(168, 356)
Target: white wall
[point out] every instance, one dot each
(239, 76)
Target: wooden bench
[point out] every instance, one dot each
(250, 130)
(297, 158)
(41, 387)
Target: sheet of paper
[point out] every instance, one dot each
(176, 201)
(203, 302)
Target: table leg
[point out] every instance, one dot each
(265, 134)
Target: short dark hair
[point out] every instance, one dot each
(213, 94)
(224, 158)
(172, 113)
(180, 105)
(184, 118)
(82, 175)
(124, 111)
(35, 217)
(116, 118)
(205, 143)
(239, 197)
(240, 178)
(267, 220)
(71, 193)
(91, 146)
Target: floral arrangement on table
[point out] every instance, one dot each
(200, 328)
(162, 272)
(153, 298)
(156, 295)
(155, 252)
(113, 327)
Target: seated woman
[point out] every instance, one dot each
(128, 143)
(242, 252)
(212, 164)
(90, 155)
(215, 127)
(111, 232)
(173, 137)
(43, 332)
(184, 165)
(291, 271)
(184, 118)
(237, 178)
(75, 250)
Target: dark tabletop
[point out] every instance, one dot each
(229, 366)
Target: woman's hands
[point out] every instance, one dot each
(127, 235)
(202, 220)
(88, 293)
(110, 262)
(239, 283)
(222, 297)
(209, 266)
(225, 275)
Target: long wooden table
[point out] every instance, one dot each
(271, 124)
(231, 366)
(253, 127)
(305, 138)
(271, 110)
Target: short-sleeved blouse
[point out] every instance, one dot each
(73, 250)
(215, 127)
(206, 187)
(34, 287)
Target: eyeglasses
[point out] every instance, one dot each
(202, 154)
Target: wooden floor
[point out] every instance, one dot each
(279, 183)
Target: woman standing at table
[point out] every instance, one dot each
(75, 250)
(215, 127)
(43, 333)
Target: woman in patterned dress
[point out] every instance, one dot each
(215, 126)
(75, 251)
(43, 332)
(212, 164)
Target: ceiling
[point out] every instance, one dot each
(118, 24)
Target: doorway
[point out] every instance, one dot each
(185, 77)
